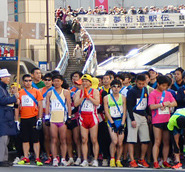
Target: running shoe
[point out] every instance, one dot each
(24, 161)
(63, 162)
(38, 162)
(166, 165)
(48, 161)
(133, 164)
(143, 163)
(70, 162)
(84, 164)
(16, 160)
(95, 163)
(105, 163)
(55, 162)
(112, 162)
(156, 165)
(78, 162)
(118, 163)
(177, 166)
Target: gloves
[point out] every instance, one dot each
(86, 95)
(47, 120)
(113, 126)
(39, 124)
(17, 123)
(121, 129)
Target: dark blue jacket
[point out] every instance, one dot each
(7, 124)
(132, 95)
(181, 97)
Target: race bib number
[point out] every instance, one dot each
(114, 112)
(142, 105)
(87, 106)
(27, 101)
(56, 105)
(44, 103)
(165, 111)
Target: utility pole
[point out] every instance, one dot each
(47, 35)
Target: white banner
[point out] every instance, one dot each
(132, 21)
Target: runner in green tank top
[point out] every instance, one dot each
(115, 110)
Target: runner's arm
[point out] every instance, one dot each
(106, 109)
(77, 99)
(124, 110)
(68, 99)
(48, 102)
(40, 109)
(96, 99)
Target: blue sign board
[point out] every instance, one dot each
(8, 58)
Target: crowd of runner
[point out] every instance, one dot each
(115, 120)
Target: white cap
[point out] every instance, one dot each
(4, 73)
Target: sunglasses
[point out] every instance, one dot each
(47, 80)
(27, 80)
(116, 86)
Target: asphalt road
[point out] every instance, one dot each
(31, 168)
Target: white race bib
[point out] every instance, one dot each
(165, 111)
(87, 106)
(56, 105)
(44, 103)
(114, 112)
(26, 101)
(142, 105)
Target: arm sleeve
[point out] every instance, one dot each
(151, 100)
(130, 104)
(39, 96)
(6, 99)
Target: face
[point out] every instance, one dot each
(36, 75)
(75, 77)
(178, 75)
(153, 74)
(48, 82)
(86, 83)
(140, 84)
(6, 80)
(106, 80)
(116, 88)
(162, 87)
(57, 83)
(126, 81)
(147, 79)
(27, 82)
(100, 82)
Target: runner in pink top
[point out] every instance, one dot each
(160, 115)
(160, 102)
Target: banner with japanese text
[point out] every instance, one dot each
(133, 21)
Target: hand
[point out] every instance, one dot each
(134, 124)
(39, 124)
(113, 126)
(17, 123)
(86, 95)
(16, 95)
(166, 103)
(68, 120)
(47, 120)
(149, 119)
(121, 129)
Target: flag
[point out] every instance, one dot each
(102, 4)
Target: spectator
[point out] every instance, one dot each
(77, 53)
(76, 28)
(7, 125)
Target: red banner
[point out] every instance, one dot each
(102, 4)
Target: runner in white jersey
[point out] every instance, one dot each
(58, 104)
